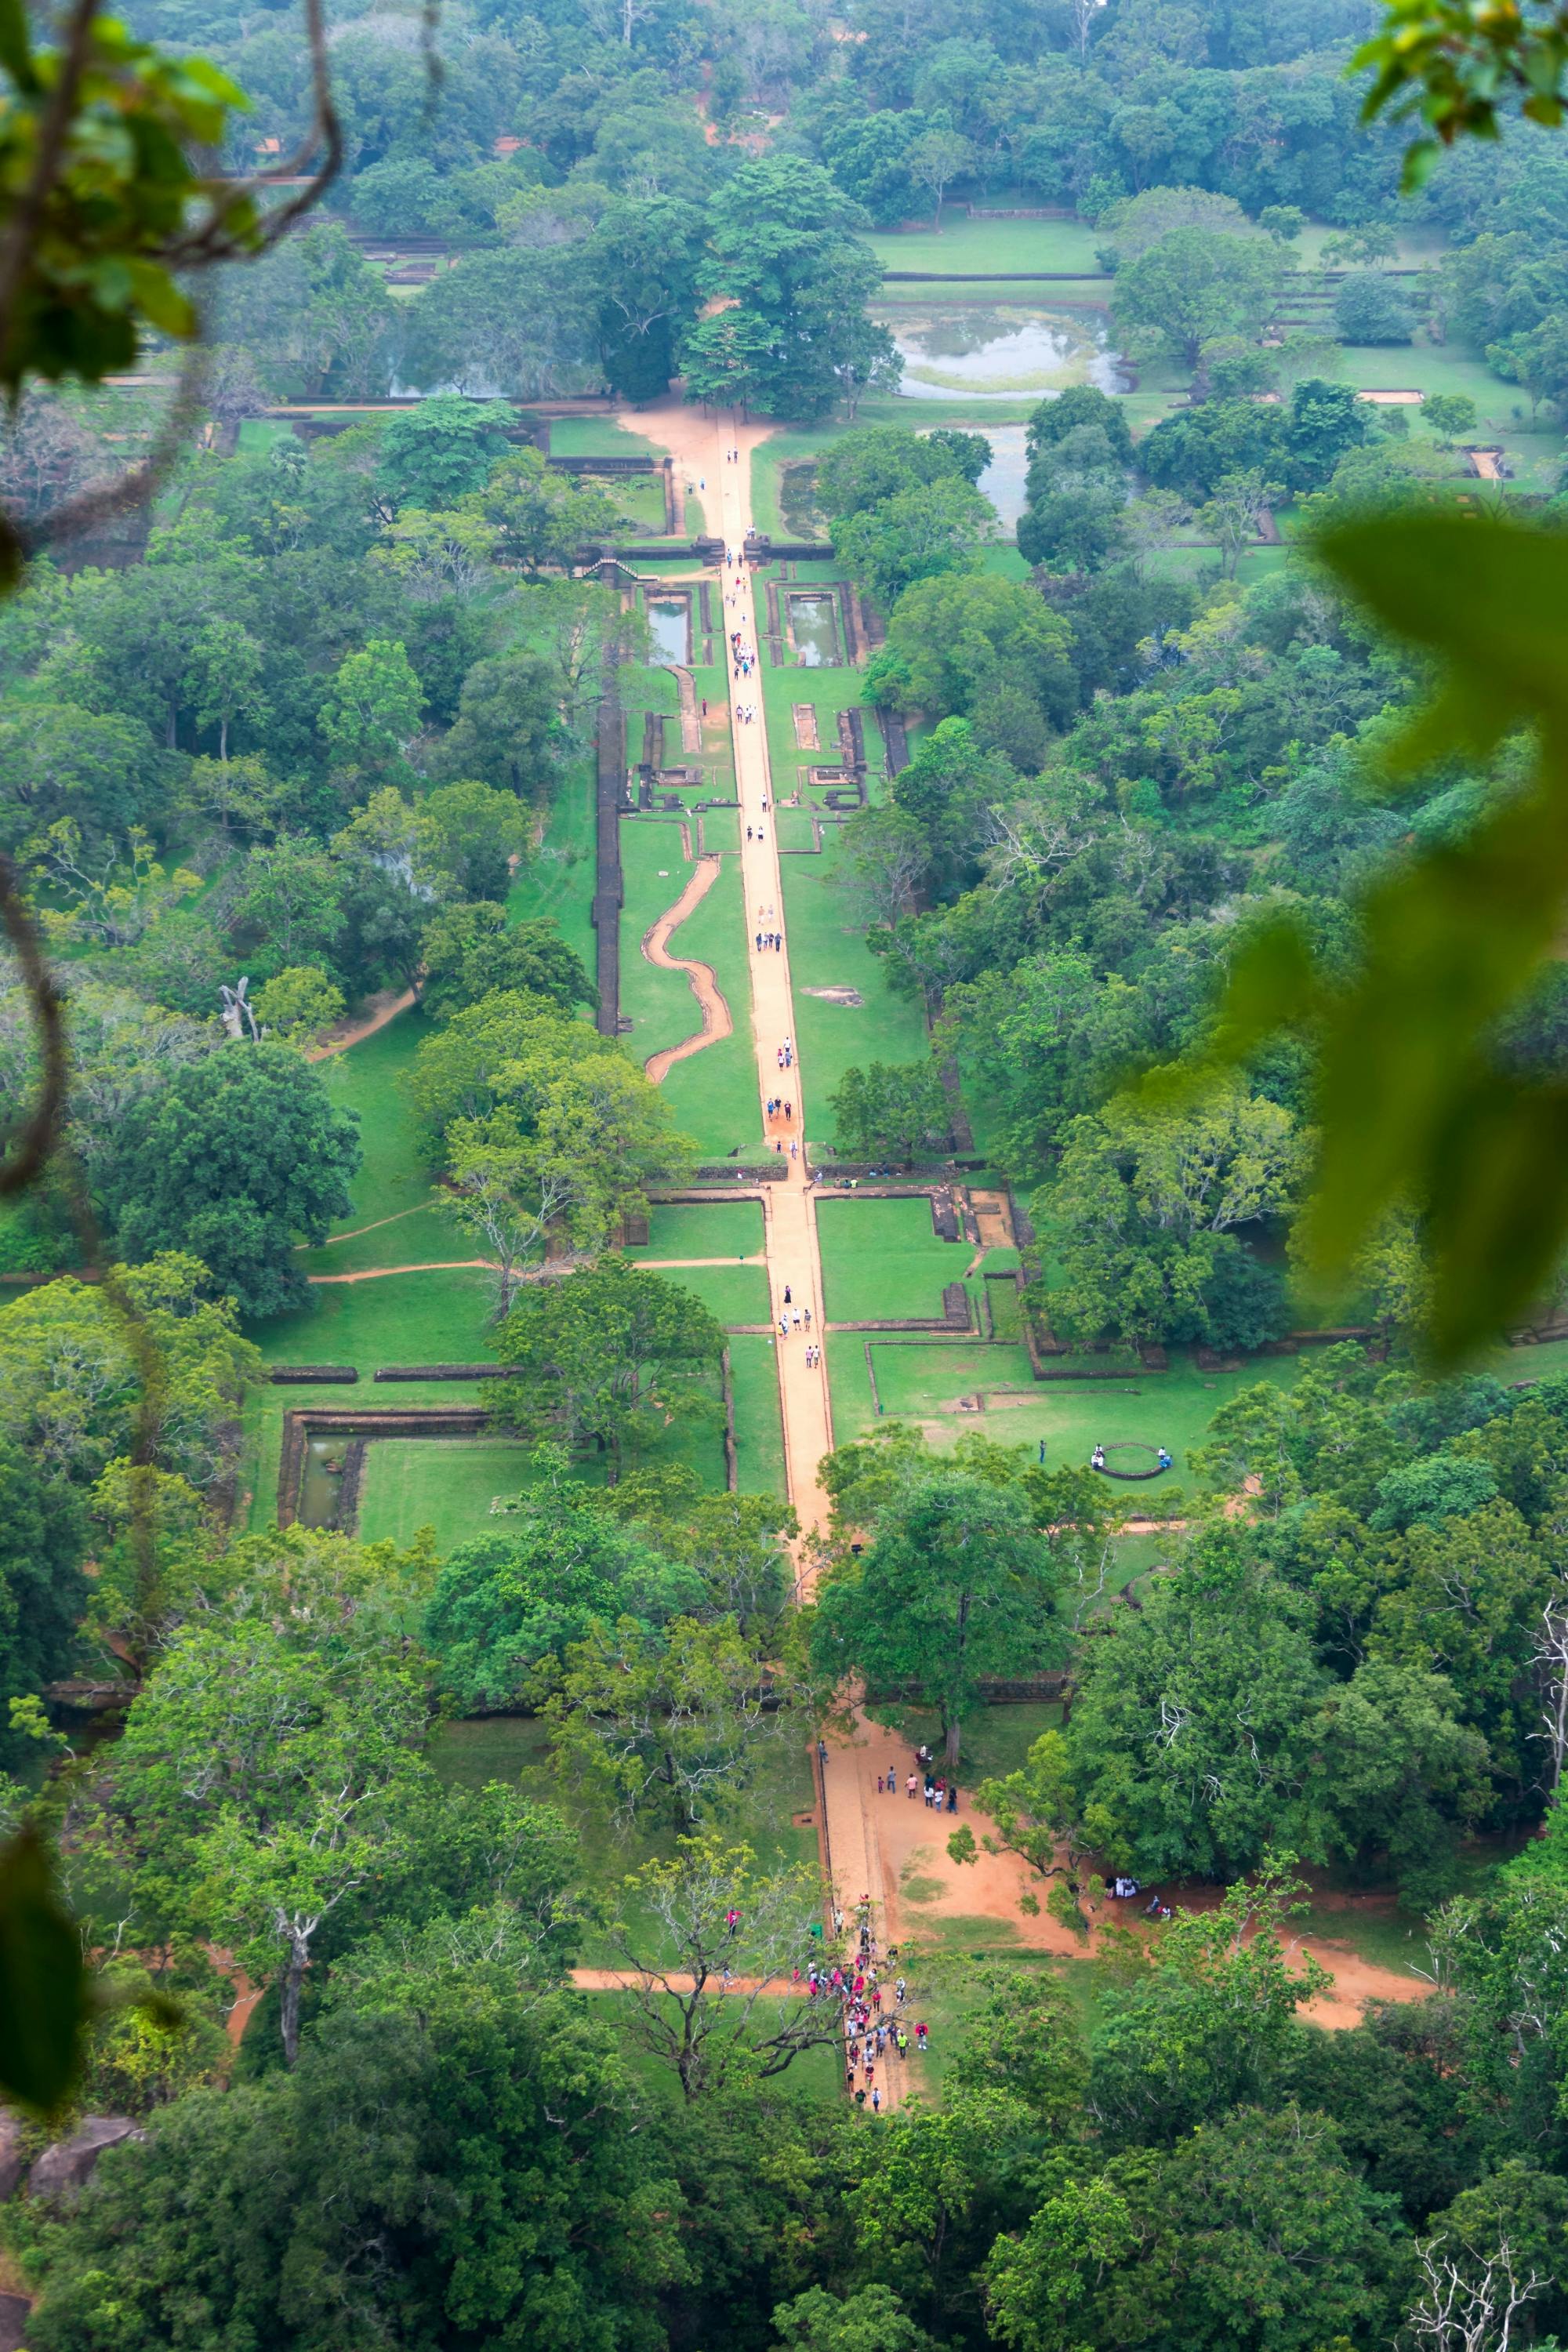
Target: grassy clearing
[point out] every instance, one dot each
(893, 300)
(768, 461)
(759, 1425)
(883, 1258)
(828, 915)
(680, 1228)
(404, 1319)
(366, 1080)
(399, 1318)
(986, 247)
(917, 1379)
(735, 1294)
(658, 1004)
(713, 1096)
(597, 436)
(445, 1483)
(558, 881)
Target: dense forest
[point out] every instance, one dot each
(449, 1945)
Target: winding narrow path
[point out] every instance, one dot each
(716, 1019)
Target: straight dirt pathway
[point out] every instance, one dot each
(700, 447)
(880, 1844)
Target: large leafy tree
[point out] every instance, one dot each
(965, 642)
(241, 1157)
(543, 519)
(505, 1606)
(682, 1942)
(668, 1725)
(435, 454)
(75, 1394)
(1193, 1729)
(1195, 284)
(893, 1110)
(470, 952)
(1143, 1203)
(459, 2155)
(955, 1585)
(783, 251)
(1252, 2230)
(517, 320)
(43, 1592)
(264, 1784)
(521, 1096)
(605, 1358)
(508, 723)
(866, 468)
(643, 253)
(1207, 2024)
(934, 527)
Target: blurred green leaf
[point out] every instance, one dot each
(42, 1979)
(1413, 1111)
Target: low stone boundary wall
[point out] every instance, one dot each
(443, 1372)
(749, 1171)
(306, 1422)
(609, 893)
(284, 1376)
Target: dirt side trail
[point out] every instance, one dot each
(716, 1020)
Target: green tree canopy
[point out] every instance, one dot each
(505, 1604)
(955, 1585)
(605, 1357)
(472, 952)
(1194, 284)
(1195, 1721)
(892, 1110)
(437, 453)
(240, 1158)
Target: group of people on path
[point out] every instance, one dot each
(869, 2035)
(941, 1795)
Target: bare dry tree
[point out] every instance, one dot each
(1463, 2307)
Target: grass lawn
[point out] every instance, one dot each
(658, 1004)
(558, 880)
(677, 1229)
(713, 1096)
(914, 1378)
(597, 436)
(407, 1318)
(446, 1483)
(826, 915)
(735, 1294)
(883, 1258)
(402, 1318)
(768, 462)
(986, 247)
(759, 1423)
(366, 1080)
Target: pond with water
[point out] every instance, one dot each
(321, 1480)
(671, 623)
(813, 627)
(995, 352)
(1004, 479)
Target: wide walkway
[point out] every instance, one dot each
(879, 1842)
(699, 444)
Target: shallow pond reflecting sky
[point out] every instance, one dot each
(994, 353)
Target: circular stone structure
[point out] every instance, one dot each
(1128, 1446)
